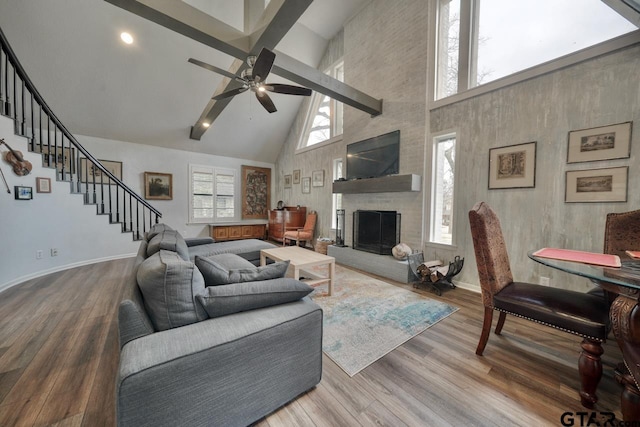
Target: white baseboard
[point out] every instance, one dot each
(467, 286)
(37, 274)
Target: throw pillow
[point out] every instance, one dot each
(169, 240)
(155, 229)
(228, 268)
(169, 286)
(227, 299)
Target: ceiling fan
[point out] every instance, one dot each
(253, 78)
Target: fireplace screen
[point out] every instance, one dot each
(376, 231)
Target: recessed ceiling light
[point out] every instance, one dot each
(126, 37)
(206, 125)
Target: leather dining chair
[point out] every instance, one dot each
(570, 311)
(621, 233)
(301, 234)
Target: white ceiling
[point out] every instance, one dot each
(148, 93)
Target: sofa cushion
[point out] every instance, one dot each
(169, 287)
(225, 269)
(227, 299)
(155, 229)
(230, 247)
(168, 240)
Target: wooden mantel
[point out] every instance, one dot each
(383, 184)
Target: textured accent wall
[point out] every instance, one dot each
(595, 93)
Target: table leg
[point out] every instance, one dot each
(590, 369)
(332, 274)
(296, 272)
(625, 322)
(263, 259)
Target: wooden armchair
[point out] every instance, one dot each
(301, 234)
(575, 312)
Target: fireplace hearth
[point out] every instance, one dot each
(376, 231)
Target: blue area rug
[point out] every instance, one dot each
(366, 318)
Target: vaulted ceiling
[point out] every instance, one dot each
(147, 92)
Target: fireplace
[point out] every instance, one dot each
(376, 231)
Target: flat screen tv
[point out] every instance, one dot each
(374, 157)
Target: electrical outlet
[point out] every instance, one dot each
(544, 281)
(54, 251)
(38, 254)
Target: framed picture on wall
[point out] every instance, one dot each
(43, 185)
(601, 143)
(256, 192)
(513, 166)
(317, 178)
(89, 173)
(296, 176)
(22, 193)
(597, 185)
(306, 184)
(158, 186)
(59, 157)
(287, 181)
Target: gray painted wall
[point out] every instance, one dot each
(375, 43)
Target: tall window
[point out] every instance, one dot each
(337, 197)
(443, 179)
(324, 119)
(212, 194)
(482, 41)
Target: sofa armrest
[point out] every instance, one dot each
(197, 241)
(230, 370)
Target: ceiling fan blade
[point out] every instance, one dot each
(262, 67)
(266, 102)
(213, 68)
(288, 89)
(230, 93)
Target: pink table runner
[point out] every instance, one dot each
(580, 256)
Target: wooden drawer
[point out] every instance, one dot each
(237, 232)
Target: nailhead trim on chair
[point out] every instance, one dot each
(549, 324)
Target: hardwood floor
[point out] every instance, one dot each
(59, 358)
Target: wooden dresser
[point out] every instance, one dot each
(288, 217)
(237, 231)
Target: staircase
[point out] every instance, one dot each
(100, 185)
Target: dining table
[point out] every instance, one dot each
(624, 314)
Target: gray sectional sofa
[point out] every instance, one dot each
(199, 349)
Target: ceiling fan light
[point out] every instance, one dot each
(262, 89)
(206, 124)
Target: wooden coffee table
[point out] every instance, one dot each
(299, 259)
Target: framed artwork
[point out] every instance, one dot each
(317, 178)
(513, 166)
(158, 186)
(287, 181)
(60, 157)
(90, 173)
(23, 193)
(296, 176)
(601, 143)
(256, 192)
(597, 185)
(43, 185)
(306, 184)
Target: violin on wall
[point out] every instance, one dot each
(20, 166)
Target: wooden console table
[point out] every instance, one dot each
(237, 231)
